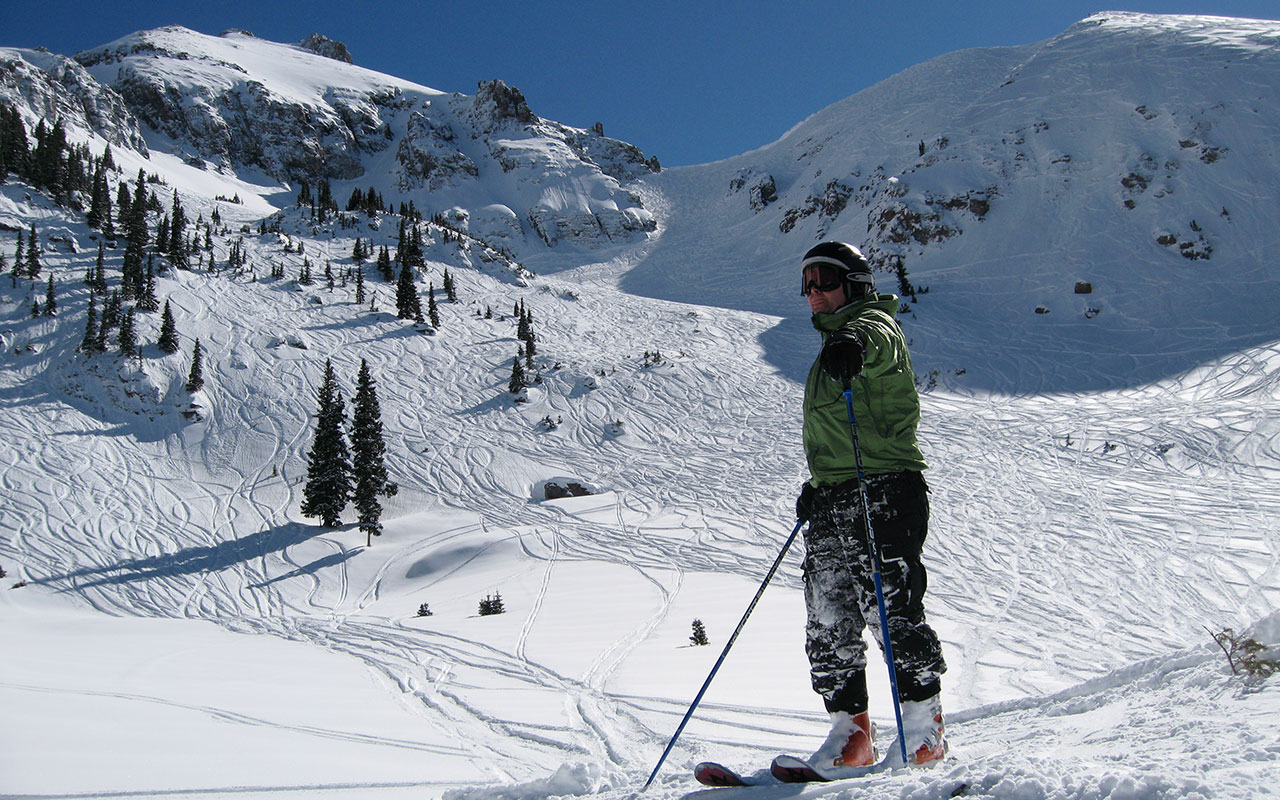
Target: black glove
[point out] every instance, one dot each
(841, 356)
(804, 503)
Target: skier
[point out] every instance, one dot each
(865, 350)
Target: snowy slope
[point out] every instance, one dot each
(1172, 115)
(1114, 496)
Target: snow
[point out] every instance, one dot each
(1102, 494)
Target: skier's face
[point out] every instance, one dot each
(821, 302)
(823, 284)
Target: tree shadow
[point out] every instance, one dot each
(193, 560)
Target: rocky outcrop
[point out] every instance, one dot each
(324, 46)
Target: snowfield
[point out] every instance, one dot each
(1104, 499)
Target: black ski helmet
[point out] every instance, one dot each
(858, 280)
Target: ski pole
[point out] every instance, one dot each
(688, 714)
(875, 571)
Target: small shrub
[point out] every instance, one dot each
(424, 610)
(1244, 655)
(492, 604)
(699, 636)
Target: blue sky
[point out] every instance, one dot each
(687, 81)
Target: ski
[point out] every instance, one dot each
(709, 773)
(790, 769)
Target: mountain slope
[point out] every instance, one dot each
(1131, 152)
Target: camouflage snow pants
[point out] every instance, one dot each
(840, 592)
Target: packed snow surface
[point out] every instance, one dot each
(175, 627)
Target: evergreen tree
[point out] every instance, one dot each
(89, 344)
(19, 258)
(97, 196)
(449, 290)
(518, 379)
(33, 255)
(368, 455)
(360, 286)
(384, 264)
(99, 282)
(432, 314)
(328, 463)
(128, 338)
(699, 636)
(176, 246)
(124, 205)
(137, 237)
(195, 379)
(408, 304)
(168, 342)
(148, 301)
(111, 311)
(492, 604)
(50, 301)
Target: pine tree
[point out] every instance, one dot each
(148, 301)
(449, 290)
(20, 256)
(100, 270)
(168, 342)
(33, 254)
(492, 604)
(699, 636)
(384, 265)
(368, 455)
(432, 314)
(176, 246)
(408, 304)
(50, 301)
(328, 463)
(360, 298)
(89, 344)
(195, 379)
(518, 379)
(137, 237)
(128, 338)
(96, 197)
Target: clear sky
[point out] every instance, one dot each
(689, 81)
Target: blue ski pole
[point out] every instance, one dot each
(688, 714)
(875, 571)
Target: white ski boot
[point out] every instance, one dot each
(851, 742)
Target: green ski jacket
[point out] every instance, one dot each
(885, 402)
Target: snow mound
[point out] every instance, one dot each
(570, 780)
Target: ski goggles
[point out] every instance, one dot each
(825, 276)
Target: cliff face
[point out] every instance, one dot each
(306, 112)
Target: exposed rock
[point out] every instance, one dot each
(324, 46)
